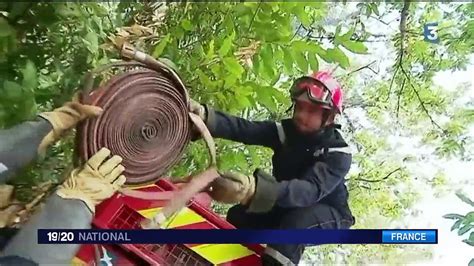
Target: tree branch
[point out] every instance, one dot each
(378, 180)
(380, 20)
(399, 96)
(360, 105)
(363, 67)
(402, 27)
(296, 32)
(254, 15)
(422, 103)
(393, 79)
(371, 170)
(353, 129)
(374, 41)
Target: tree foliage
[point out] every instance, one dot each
(464, 224)
(241, 58)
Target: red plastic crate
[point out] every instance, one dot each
(119, 212)
(163, 254)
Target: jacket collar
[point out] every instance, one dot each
(327, 136)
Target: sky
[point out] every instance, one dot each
(450, 250)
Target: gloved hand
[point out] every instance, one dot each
(96, 181)
(65, 118)
(198, 109)
(233, 188)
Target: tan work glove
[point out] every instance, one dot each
(233, 188)
(65, 118)
(96, 181)
(197, 109)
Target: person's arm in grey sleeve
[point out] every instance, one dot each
(58, 213)
(71, 207)
(317, 183)
(19, 146)
(263, 133)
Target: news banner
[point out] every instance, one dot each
(238, 236)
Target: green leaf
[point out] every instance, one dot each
(465, 229)
(337, 38)
(456, 225)
(453, 216)
(316, 48)
(300, 45)
(280, 96)
(471, 263)
(92, 42)
(5, 28)
(187, 25)
(233, 66)
(100, 10)
(256, 63)
(230, 80)
(347, 36)
(243, 101)
(301, 61)
(375, 8)
(17, 9)
(313, 62)
(228, 25)
(264, 96)
(161, 46)
(288, 60)
(278, 53)
(204, 79)
(338, 56)
(470, 240)
(338, 30)
(465, 198)
(469, 218)
(299, 54)
(210, 51)
(68, 10)
(355, 47)
(12, 90)
(226, 45)
(216, 69)
(302, 15)
(226, 161)
(30, 79)
(267, 68)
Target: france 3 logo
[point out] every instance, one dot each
(430, 31)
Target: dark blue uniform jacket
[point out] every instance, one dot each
(306, 169)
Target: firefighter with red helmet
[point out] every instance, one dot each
(311, 159)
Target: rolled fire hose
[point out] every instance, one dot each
(146, 121)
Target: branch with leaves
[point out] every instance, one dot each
(464, 223)
(422, 103)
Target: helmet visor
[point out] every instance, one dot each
(317, 93)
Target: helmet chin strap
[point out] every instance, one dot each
(326, 114)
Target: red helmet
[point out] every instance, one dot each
(321, 88)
